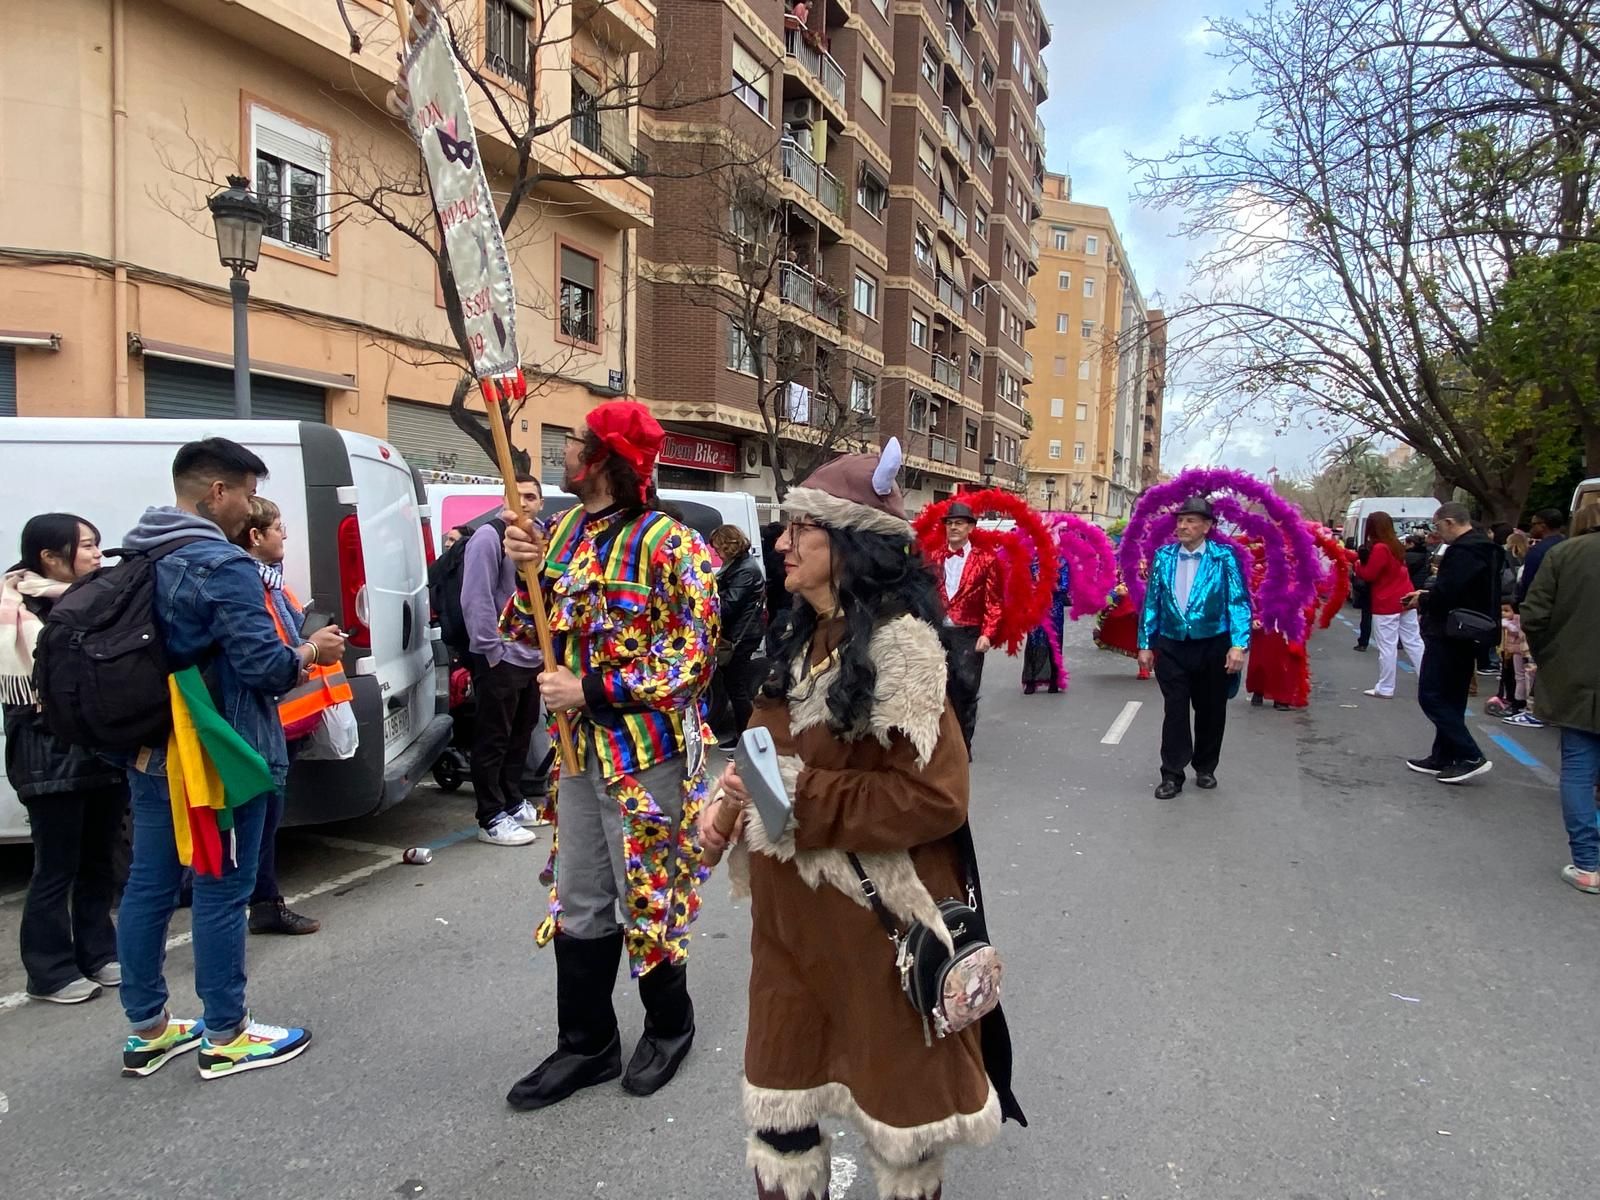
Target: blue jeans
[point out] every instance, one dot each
(1580, 772)
(151, 895)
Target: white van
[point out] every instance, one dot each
(1587, 492)
(1411, 514)
(455, 504)
(358, 550)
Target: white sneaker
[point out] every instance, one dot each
(75, 992)
(109, 975)
(503, 831)
(527, 816)
(1374, 692)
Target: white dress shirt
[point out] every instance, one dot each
(954, 565)
(1183, 577)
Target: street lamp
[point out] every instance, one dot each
(239, 217)
(1050, 494)
(1094, 502)
(988, 471)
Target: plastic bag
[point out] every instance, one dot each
(337, 736)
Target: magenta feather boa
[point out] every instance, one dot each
(1090, 558)
(1295, 564)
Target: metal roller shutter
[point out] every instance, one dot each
(176, 389)
(8, 381)
(431, 441)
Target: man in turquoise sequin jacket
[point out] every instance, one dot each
(1195, 627)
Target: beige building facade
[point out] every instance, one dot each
(112, 300)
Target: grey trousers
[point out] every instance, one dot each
(591, 876)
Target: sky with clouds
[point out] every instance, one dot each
(1131, 78)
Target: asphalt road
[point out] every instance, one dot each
(1330, 978)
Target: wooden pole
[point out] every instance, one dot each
(530, 571)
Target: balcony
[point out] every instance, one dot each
(1043, 73)
(830, 191)
(946, 373)
(952, 215)
(960, 57)
(1038, 128)
(950, 296)
(589, 132)
(1033, 311)
(821, 65)
(797, 286)
(802, 170)
(1033, 250)
(1027, 366)
(829, 305)
(958, 138)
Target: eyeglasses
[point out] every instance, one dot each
(798, 526)
(572, 437)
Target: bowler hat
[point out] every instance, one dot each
(960, 512)
(1197, 506)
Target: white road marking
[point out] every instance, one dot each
(17, 999)
(341, 843)
(1130, 710)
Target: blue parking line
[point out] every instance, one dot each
(1511, 747)
(450, 839)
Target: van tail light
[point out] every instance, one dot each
(353, 583)
(430, 558)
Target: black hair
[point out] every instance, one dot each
(56, 532)
(620, 477)
(216, 458)
(879, 577)
(526, 477)
(1551, 518)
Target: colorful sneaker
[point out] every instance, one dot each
(1584, 881)
(258, 1046)
(146, 1056)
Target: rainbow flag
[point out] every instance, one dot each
(211, 771)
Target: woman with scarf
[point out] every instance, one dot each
(76, 802)
(873, 760)
(262, 538)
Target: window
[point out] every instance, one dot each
(922, 248)
(744, 353)
(925, 155)
(985, 149)
(974, 365)
(970, 437)
(1091, 245)
(872, 193)
(1016, 54)
(871, 88)
(882, 6)
(863, 391)
(866, 295)
(1063, 280)
(1083, 411)
(1058, 407)
(292, 172)
(919, 329)
(580, 317)
(1083, 369)
(1078, 454)
(1086, 329)
(980, 296)
(980, 221)
(1062, 322)
(1060, 364)
(919, 412)
(750, 81)
(1058, 238)
(505, 40)
(930, 62)
(1088, 287)
(1055, 448)
(986, 73)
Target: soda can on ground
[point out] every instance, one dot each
(418, 856)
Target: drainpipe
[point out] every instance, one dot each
(626, 374)
(119, 216)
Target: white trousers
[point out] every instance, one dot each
(1392, 631)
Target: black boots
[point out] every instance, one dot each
(588, 1047)
(668, 1029)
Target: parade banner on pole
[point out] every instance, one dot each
(441, 123)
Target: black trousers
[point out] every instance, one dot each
(965, 665)
(508, 708)
(1193, 676)
(1364, 635)
(1442, 689)
(66, 919)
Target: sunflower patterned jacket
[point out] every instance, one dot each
(639, 629)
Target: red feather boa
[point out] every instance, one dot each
(1027, 598)
(1341, 559)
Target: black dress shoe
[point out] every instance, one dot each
(274, 916)
(1256, 700)
(1280, 706)
(1203, 779)
(1167, 789)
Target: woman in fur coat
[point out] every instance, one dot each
(873, 759)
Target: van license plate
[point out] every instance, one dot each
(396, 725)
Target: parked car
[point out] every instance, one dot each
(358, 551)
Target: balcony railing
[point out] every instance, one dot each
(822, 65)
(830, 191)
(828, 305)
(1027, 366)
(588, 132)
(815, 180)
(1043, 72)
(1033, 307)
(958, 137)
(796, 285)
(952, 215)
(951, 297)
(946, 373)
(1038, 128)
(960, 56)
(943, 450)
(1033, 249)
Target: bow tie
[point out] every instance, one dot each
(1190, 555)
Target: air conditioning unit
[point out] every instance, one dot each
(801, 112)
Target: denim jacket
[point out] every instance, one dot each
(1219, 602)
(208, 603)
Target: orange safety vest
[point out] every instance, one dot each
(302, 707)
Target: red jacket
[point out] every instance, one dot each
(1388, 578)
(977, 601)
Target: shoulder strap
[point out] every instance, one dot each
(969, 861)
(870, 891)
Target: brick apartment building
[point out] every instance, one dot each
(1102, 366)
(863, 264)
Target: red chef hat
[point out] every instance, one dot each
(626, 429)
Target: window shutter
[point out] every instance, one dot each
(282, 138)
(578, 268)
(748, 68)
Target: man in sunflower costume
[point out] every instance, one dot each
(632, 602)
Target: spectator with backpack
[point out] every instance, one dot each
(505, 679)
(75, 800)
(200, 596)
